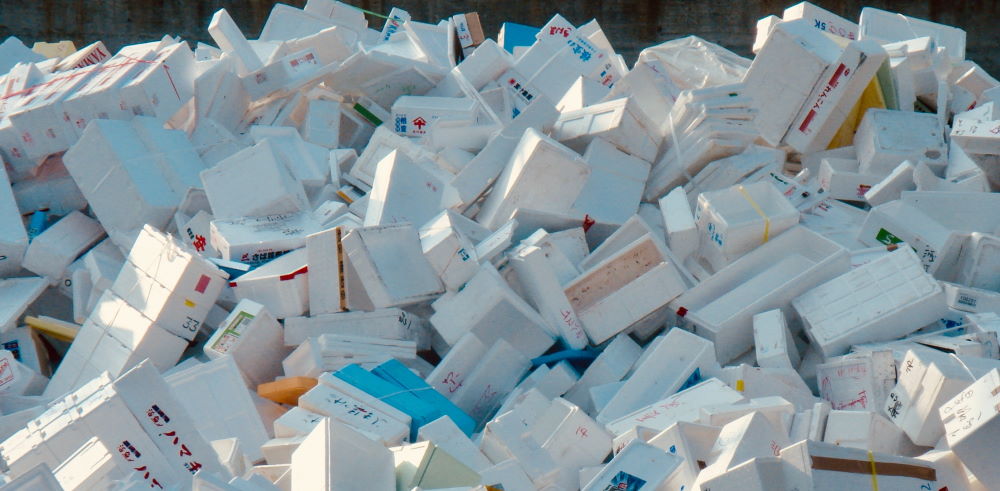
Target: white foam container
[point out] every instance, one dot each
(735, 220)
(721, 308)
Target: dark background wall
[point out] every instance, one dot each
(630, 24)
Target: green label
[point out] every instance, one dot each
(370, 116)
(886, 237)
(232, 332)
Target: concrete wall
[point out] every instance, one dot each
(630, 24)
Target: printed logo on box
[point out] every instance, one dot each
(6, 372)
(233, 332)
(624, 481)
(15, 348)
(886, 237)
(832, 28)
(419, 122)
(967, 300)
(842, 71)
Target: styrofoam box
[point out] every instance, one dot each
(494, 376)
(405, 191)
(864, 430)
(885, 138)
(411, 115)
(490, 309)
(280, 285)
(328, 280)
(443, 241)
(165, 86)
(773, 344)
(811, 468)
(349, 405)
(885, 27)
(335, 456)
(841, 180)
(636, 465)
(938, 246)
(16, 295)
(572, 437)
(721, 307)
(859, 381)
(927, 379)
(668, 364)
(159, 411)
(970, 426)
(541, 174)
(173, 286)
(885, 299)
(253, 338)
(112, 165)
(390, 264)
(252, 182)
(617, 293)
(544, 290)
(54, 249)
(756, 474)
(822, 19)
(750, 436)
(978, 265)
(115, 338)
(216, 393)
(13, 237)
(256, 239)
(681, 229)
(619, 122)
(383, 323)
(296, 421)
(735, 220)
(94, 411)
(331, 352)
(612, 173)
(834, 97)
(610, 366)
(777, 93)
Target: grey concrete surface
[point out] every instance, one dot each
(630, 24)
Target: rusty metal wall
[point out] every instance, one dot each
(629, 24)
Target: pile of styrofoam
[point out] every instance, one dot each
(341, 258)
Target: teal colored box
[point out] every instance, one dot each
(397, 373)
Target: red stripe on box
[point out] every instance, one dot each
(293, 274)
(809, 118)
(202, 283)
(836, 75)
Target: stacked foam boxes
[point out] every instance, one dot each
(155, 307)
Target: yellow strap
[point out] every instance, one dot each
(871, 461)
(739, 385)
(767, 221)
(61, 330)
(345, 197)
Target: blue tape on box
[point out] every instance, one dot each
(397, 373)
(419, 411)
(518, 35)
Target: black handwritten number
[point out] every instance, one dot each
(191, 325)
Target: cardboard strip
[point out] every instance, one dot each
(341, 279)
(881, 468)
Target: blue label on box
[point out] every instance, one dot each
(624, 481)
